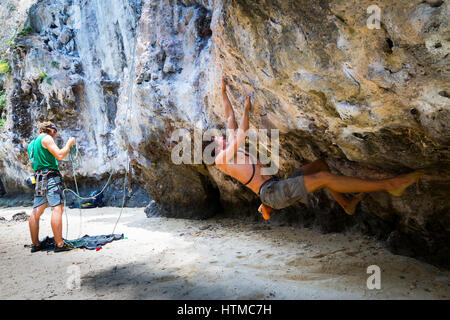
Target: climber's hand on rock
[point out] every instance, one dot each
(248, 104)
(224, 83)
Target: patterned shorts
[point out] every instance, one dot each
(279, 194)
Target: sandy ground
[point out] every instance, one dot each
(212, 259)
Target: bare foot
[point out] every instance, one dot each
(404, 182)
(350, 207)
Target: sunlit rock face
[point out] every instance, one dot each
(72, 68)
(123, 76)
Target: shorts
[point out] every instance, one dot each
(54, 193)
(279, 194)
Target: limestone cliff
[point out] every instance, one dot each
(122, 76)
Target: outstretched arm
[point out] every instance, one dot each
(51, 146)
(227, 154)
(229, 113)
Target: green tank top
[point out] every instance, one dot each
(40, 157)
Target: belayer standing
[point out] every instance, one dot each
(44, 155)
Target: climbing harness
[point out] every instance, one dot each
(41, 180)
(40, 188)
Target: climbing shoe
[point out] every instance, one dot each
(35, 248)
(265, 211)
(65, 247)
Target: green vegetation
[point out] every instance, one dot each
(12, 42)
(12, 8)
(44, 76)
(25, 31)
(2, 122)
(2, 100)
(4, 67)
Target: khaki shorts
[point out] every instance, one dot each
(279, 194)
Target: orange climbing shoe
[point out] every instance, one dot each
(265, 211)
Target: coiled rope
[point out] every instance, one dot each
(74, 157)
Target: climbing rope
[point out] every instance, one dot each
(75, 160)
(74, 157)
(127, 116)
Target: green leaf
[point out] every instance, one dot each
(25, 31)
(2, 99)
(4, 67)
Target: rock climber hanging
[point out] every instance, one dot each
(278, 193)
